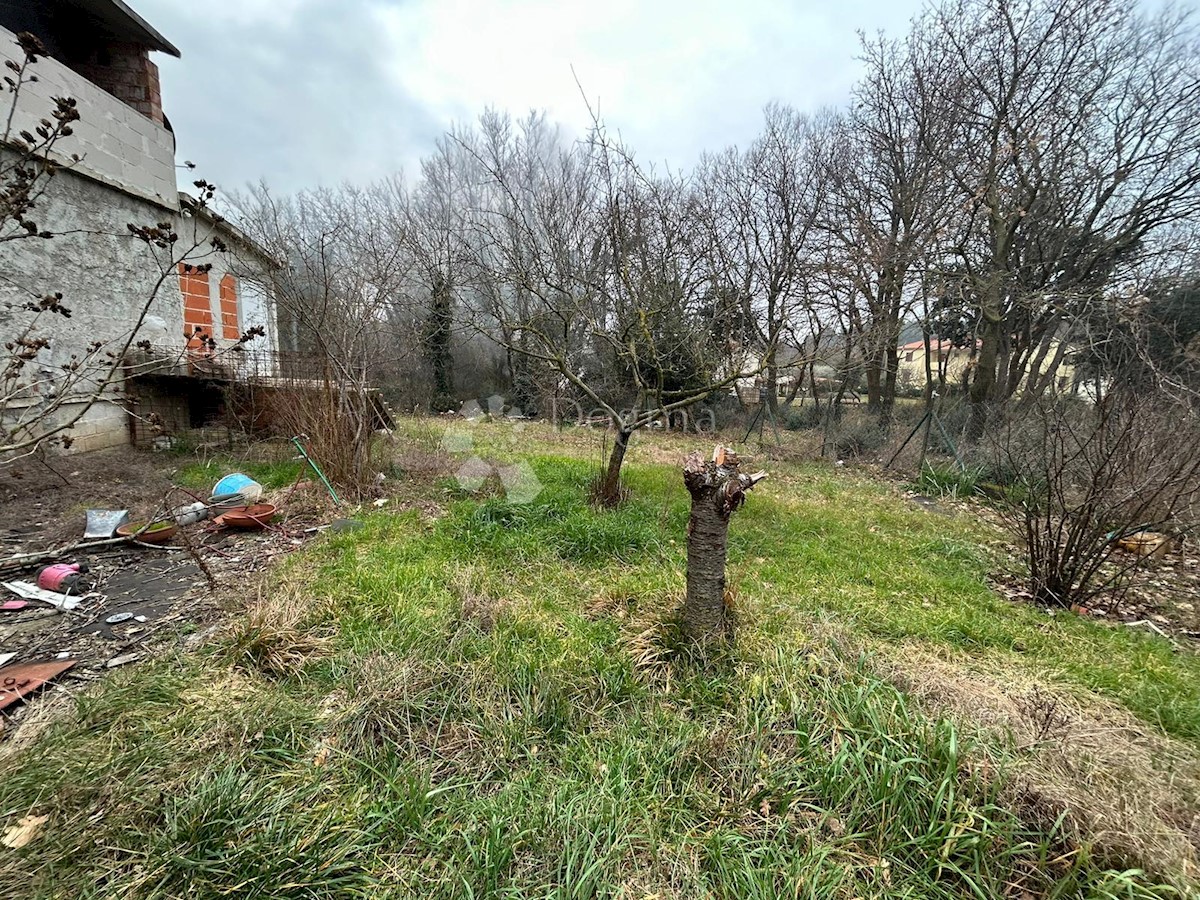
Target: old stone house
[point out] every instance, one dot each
(189, 303)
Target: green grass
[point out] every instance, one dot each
(201, 476)
(475, 725)
(948, 480)
(891, 572)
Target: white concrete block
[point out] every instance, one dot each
(102, 116)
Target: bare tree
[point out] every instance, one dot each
(886, 207)
(345, 269)
(1068, 136)
(435, 225)
(591, 272)
(761, 208)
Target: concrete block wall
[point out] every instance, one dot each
(105, 425)
(106, 277)
(119, 145)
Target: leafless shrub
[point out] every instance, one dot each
(1077, 478)
(336, 421)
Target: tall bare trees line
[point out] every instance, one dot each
(1002, 172)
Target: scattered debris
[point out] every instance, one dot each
(156, 596)
(191, 513)
(23, 832)
(237, 484)
(250, 517)
(17, 681)
(29, 591)
(1162, 592)
(1148, 624)
(25, 560)
(308, 459)
(1147, 543)
(149, 533)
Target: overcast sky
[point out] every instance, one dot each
(305, 92)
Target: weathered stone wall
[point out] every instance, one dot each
(106, 277)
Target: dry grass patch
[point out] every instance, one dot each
(278, 635)
(407, 706)
(648, 630)
(477, 606)
(1130, 791)
(52, 707)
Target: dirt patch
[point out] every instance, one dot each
(42, 502)
(1163, 593)
(142, 602)
(1133, 792)
(139, 602)
(1163, 597)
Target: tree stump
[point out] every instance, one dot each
(717, 489)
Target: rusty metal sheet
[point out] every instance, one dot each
(17, 681)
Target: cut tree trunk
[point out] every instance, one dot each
(717, 489)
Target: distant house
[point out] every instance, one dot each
(952, 362)
(817, 361)
(945, 359)
(120, 169)
(751, 389)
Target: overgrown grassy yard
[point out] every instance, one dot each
(490, 703)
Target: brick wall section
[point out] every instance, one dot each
(197, 305)
(127, 73)
(229, 308)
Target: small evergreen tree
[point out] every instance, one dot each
(437, 345)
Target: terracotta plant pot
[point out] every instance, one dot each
(156, 533)
(256, 516)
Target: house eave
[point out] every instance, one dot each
(117, 15)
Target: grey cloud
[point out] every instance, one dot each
(304, 97)
(299, 99)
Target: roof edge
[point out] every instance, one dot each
(188, 202)
(155, 39)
